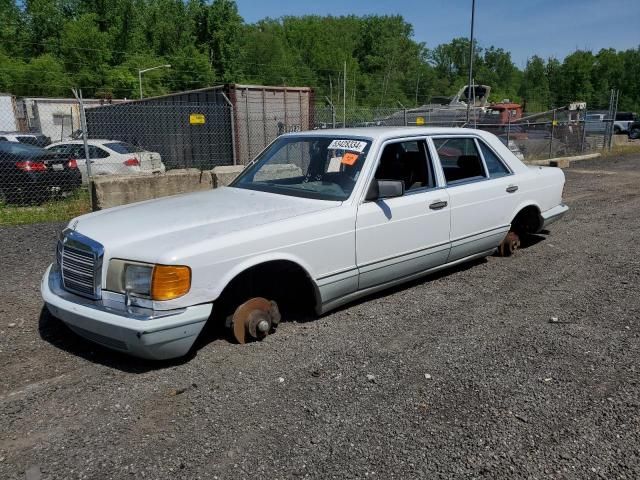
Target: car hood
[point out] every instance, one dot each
(148, 230)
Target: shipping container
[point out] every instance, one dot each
(222, 125)
(262, 113)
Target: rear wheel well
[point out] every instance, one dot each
(527, 220)
(282, 281)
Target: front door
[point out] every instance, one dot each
(400, 236)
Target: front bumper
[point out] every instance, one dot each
(145, 333)
(553, 214)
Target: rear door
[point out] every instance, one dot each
(482, 192)
(398, 237)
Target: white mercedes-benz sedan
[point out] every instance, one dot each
(319, 218)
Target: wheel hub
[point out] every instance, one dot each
(255, 319)
(510, 244)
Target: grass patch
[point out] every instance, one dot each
(629, 149)
(51, 211)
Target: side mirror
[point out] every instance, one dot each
(385, 189)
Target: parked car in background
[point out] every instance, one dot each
(33, 174)
(623, 122)
(111, 157)
(595, 124)
(318, 219)
(634, 130)
(37, 139)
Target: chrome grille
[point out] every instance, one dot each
(80, 260)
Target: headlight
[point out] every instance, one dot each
(137, 279)
(154, 282)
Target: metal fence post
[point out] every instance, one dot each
(83, 125)
(233, 129)
(584, 131)
(333, 112)
(613, 118)
(508, 126)
(404, 111)
(553, 125)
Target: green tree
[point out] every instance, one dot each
(44, 76)
(224, 31)
(535, 85)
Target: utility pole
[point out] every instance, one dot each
(417, 85)
(470, 85)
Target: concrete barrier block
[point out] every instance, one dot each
(560, 162)
(112, 190)
(224, 175)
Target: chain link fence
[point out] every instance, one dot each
(47, 158)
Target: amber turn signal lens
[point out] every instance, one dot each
(170, 281)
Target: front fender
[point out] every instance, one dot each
(254, 261)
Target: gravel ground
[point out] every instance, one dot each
(504, 368)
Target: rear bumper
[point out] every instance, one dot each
(43, 183)
(143, 333)
(553, 214)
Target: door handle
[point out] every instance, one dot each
(512, 188)
(438, 205)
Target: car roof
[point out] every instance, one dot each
(22, 134)
(89, 141)
(386, 133)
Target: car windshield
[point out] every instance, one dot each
(15, 148)
(318, 167)
(123, 147)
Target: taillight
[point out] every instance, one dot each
(72, 164)
(30, 166)
(132, 162)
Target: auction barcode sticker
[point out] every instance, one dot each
(351, 145)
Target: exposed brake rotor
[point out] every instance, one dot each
(509, 245)
(255, 319)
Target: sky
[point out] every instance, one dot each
(549, 28)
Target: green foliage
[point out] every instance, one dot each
(46, 46)
(535, 85)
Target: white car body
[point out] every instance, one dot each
(107, 161)
(346, 248)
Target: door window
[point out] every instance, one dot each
(406, 161)
(460, 159)
(494, 165)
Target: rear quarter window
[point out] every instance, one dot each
(495, 166)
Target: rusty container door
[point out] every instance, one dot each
(263, 113)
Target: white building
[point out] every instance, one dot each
(56, 118)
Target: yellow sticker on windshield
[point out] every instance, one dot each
(349, 158)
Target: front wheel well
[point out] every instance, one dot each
(527, 221)
(282, 281)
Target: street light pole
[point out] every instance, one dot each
(470, 86)
(140, 72)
